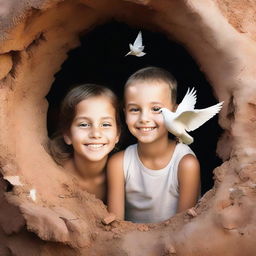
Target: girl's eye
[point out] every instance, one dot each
(106, 125)
(133, 109)
(85, 125)
(156, 109)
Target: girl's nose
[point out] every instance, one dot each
(95, 133)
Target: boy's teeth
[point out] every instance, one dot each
(147, 129)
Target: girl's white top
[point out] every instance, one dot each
(151, 195)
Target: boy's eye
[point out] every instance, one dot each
(156, 109)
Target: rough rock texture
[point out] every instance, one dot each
(60, 218)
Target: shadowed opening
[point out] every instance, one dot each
(100, 59)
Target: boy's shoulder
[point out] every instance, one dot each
(189, 161)
(117, 156)
(183, 145)
(188, 157)
(184, 149)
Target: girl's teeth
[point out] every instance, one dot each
(95, 145)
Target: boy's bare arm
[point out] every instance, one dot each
(115, 180)
(189, 182)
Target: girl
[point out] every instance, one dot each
(155, 178)
(88, 132)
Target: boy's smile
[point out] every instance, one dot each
(146, 129)
(143, 101)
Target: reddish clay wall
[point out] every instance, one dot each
(64, 219)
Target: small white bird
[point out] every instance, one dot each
(187, 118)
(137, 48)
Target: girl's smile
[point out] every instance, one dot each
(93, 132)
(95, 146)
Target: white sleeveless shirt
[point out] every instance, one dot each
(151, 195)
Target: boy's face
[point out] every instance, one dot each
(143, 100)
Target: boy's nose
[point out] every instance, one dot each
(95, 133)
(144, 117)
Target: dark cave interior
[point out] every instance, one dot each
(101, 59)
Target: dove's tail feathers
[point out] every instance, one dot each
(186, 138)
(200, 116)
(141, 54)
(129, 53)
(188, 102)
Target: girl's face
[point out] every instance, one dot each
(93, 132)
(143, 101)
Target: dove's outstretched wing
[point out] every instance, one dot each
(138, 42)
(197, 117)
(188, 102)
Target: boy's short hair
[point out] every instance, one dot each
(157, 74)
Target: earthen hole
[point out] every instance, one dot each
(100, 59)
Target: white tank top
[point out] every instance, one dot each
(151, 195)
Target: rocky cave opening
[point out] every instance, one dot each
(101, 59)
(64, 219)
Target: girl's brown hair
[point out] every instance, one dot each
(57, 146)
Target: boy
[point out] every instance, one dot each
(157, 177)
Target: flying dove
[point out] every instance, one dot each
(137, 48)
(187, 118)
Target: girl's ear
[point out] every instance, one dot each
(67, 139)
(117, 138)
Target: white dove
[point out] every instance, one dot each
(137, 48)
(187, 118)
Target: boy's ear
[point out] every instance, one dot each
(67, 139)
(175, 106)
